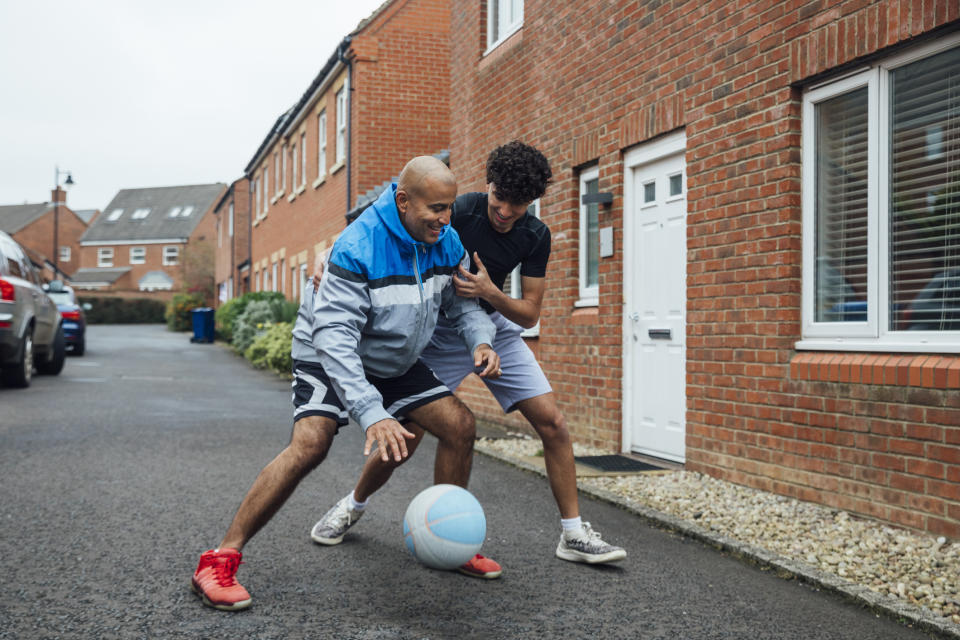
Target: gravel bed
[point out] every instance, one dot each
(898, 564)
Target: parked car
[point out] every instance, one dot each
(31, 332)
(937, 306)
(74, 318)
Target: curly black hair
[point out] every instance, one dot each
(519, 172)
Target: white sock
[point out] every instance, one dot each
(571, 524)
(357, 506)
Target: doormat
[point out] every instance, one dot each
(616, 463)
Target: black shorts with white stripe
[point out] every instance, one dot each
(313, 395)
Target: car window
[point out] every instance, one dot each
(61, 297)
(12, 255)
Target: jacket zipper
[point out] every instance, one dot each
(416, 273)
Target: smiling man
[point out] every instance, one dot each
(356, 352)
(499, 234)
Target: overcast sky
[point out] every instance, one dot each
(128, 94)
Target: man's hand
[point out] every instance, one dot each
(470, 285)
(484, 356)
(388, 433)
(318, 265)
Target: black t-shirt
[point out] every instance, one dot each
(526, 244)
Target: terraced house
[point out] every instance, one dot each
(378, 100)
(756, 232)
(156, 242)
(50, 231)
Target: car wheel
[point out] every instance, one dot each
(54, 365)
(80, 347)
(20, 374)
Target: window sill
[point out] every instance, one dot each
(256, 221)
(319, 181)
(292, 197)
(928, 371)
(276, 197)
(872, 345)
(506, 38)
(587, 302)
(301, 189)
(337, 167)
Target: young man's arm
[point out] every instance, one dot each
(525, 311)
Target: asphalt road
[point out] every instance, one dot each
(117, 474)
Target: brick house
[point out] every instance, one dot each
(355, 126)
(232, 222)
(154, 242)
(32, 225)
(756, 233)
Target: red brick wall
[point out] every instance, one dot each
(232, 251)
(400, 109)
(586, 81)
(38, 236)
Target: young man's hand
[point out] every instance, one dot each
(470, 285)
(388, 433)
(484, 356)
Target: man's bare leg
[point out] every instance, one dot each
(545, 417)
(453, 425)
(308, 447)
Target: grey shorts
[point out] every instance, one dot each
(522, 377)
(313, 395)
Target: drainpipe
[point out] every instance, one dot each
(344, 45)
(250, 232)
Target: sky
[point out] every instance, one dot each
(127, 94)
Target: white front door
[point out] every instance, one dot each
(655, 294)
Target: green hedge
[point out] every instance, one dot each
(227, 314)
(271, 349)
(122, 310)
(178, 314)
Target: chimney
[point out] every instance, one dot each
(59, 195)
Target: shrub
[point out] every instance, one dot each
(255, 320)
(178, 311)
(123, 310)
(271, 349)
(227, 314)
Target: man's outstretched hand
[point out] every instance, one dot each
(388, 433)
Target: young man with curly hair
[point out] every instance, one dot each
(499, 234)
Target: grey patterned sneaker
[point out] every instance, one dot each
(585, 545)
(335, 522)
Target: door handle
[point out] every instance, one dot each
(635, 316)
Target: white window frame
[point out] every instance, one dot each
(140, 213)
(322, 144)
(171, 255)
(64, 253)
(293, 282)
(273, 277)
(283, 152)
(277, 179)
(230, 220)
(515, 284)
(495, 36)
(266, 192)
(341, 123)
(104, 256)
(303, 278)
(294, 161)
(874, 334)
(142, 253)
(303, 159)
(114, 215)
(589, 295)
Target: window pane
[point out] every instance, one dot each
(649, 192)
(676, 185)
(593, 236)
(925, 194)
(841, 209)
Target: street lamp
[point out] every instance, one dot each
(56, 214)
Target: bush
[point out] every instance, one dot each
(271, 349)
(227, 314)
(122, 310)
(178, 315)
(255, 320)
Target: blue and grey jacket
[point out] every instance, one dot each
(377, 306)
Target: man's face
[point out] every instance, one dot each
(503, 214)
(425, 215)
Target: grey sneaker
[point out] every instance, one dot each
(334, 523)
(585, 545)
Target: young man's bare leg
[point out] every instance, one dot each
(455, 428)
(308, 447)
(376, 472)
(545, 417)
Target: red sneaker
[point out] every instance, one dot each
(215, 581)
(481, 567)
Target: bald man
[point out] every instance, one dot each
(356, 353)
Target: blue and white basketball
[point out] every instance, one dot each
(444, 526)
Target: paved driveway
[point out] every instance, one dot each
(118, 473)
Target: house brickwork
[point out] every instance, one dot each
(37, 234)
(233, 240)
(395, 70)
(877, 434)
